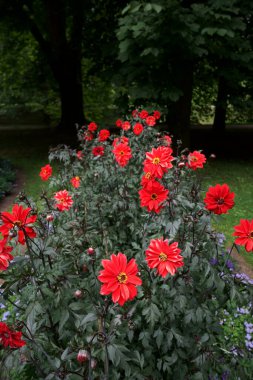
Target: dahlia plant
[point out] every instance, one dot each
(114, 277)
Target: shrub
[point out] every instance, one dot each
(7, 177)
(114, 279)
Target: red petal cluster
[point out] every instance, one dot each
(98, 151)
(64, 200)
(46, 172)
(119, 278)
(126, 126)
(196, 160)
(157, 115)
(158, 161)
(92, 127)
(244, 231)
(79, 154)
(103, 135)
(164, 256)
(75, 182)
(10, 338)
(122, 153)
(153, 195)
(219, 199)
(138, 129)
(121, 139)
(5, 255)
(150, 121)
(18, 219)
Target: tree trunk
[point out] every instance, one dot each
(219, 123)
(180, 111)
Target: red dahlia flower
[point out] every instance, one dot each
(18, 219)
(64, 200)
(122, 140)
(138, 129)
(164, 256)
(88, 136)
(150, 121)
(196, 160)
(98, 151)
(75, 182)
(119, 278)
(118, 123)
(79, 154)
(122, 153)
(143, 114)
(166, 139)
(92, 127)
(10, 338)
(46, 172)
(158, 161)
(157, 115)
(219, 199)
(5, 255)
(146, 179)
(126, 126)
(103, 135)
(153, 195)
(134, 113)
(244, 231)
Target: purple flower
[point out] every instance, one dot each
(230, 264)
(213, 261)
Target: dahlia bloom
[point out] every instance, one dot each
(19, 219)
(122, 140)
(153, 195)
(134, 113)
(10, 338)
(219, 199)
(138, 129)
(119, 278)
(46, 172)
(166, 139)
(79, 154)
(150, 121)
(158, 161)
(98, 151)
(143, 114)
(157, 115)
(88, 136)
(122, 153)
(126, 126)
(75, 182)
(118, 123)
(164, 257)
(103, 135)
(5, 255)
(196, 160)
(244, 233)
(64, 200)
(92, 127)
(146, 179)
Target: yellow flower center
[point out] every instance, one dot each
(194, 158)
(156, 160)
(122, 152)
(122, 278)
(77, 178)
(154, 196)
(251, 234)
(148, 175)
(163, 256)
(17, 223)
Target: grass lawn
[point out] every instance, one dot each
(239, 176)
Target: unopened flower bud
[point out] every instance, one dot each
(82, 356)
(93, 363)
(181, 165)
(90, 251)
(50, 217)
(78, 293)
(213, 156)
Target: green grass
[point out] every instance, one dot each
(239, 176)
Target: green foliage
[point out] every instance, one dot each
(7, 177)
(171, 328)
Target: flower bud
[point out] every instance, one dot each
(181, 165)
(82, 356)
(50, 217)
(93, 363)
(213, 156)
(90, 251)
(78, 293)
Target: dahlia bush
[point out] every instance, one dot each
(119, 274)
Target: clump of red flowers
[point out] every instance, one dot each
(64, 200)
(158, 161)
(5, 255)
(46, 172)
(196, 160)
(98, 151)
(119, 278)
(244, 233)
(164, 257)
(153, 195)
(122, 153)
(103, 135)
(75, 182)
(219, 199)
(18, 219)
(10, 338)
